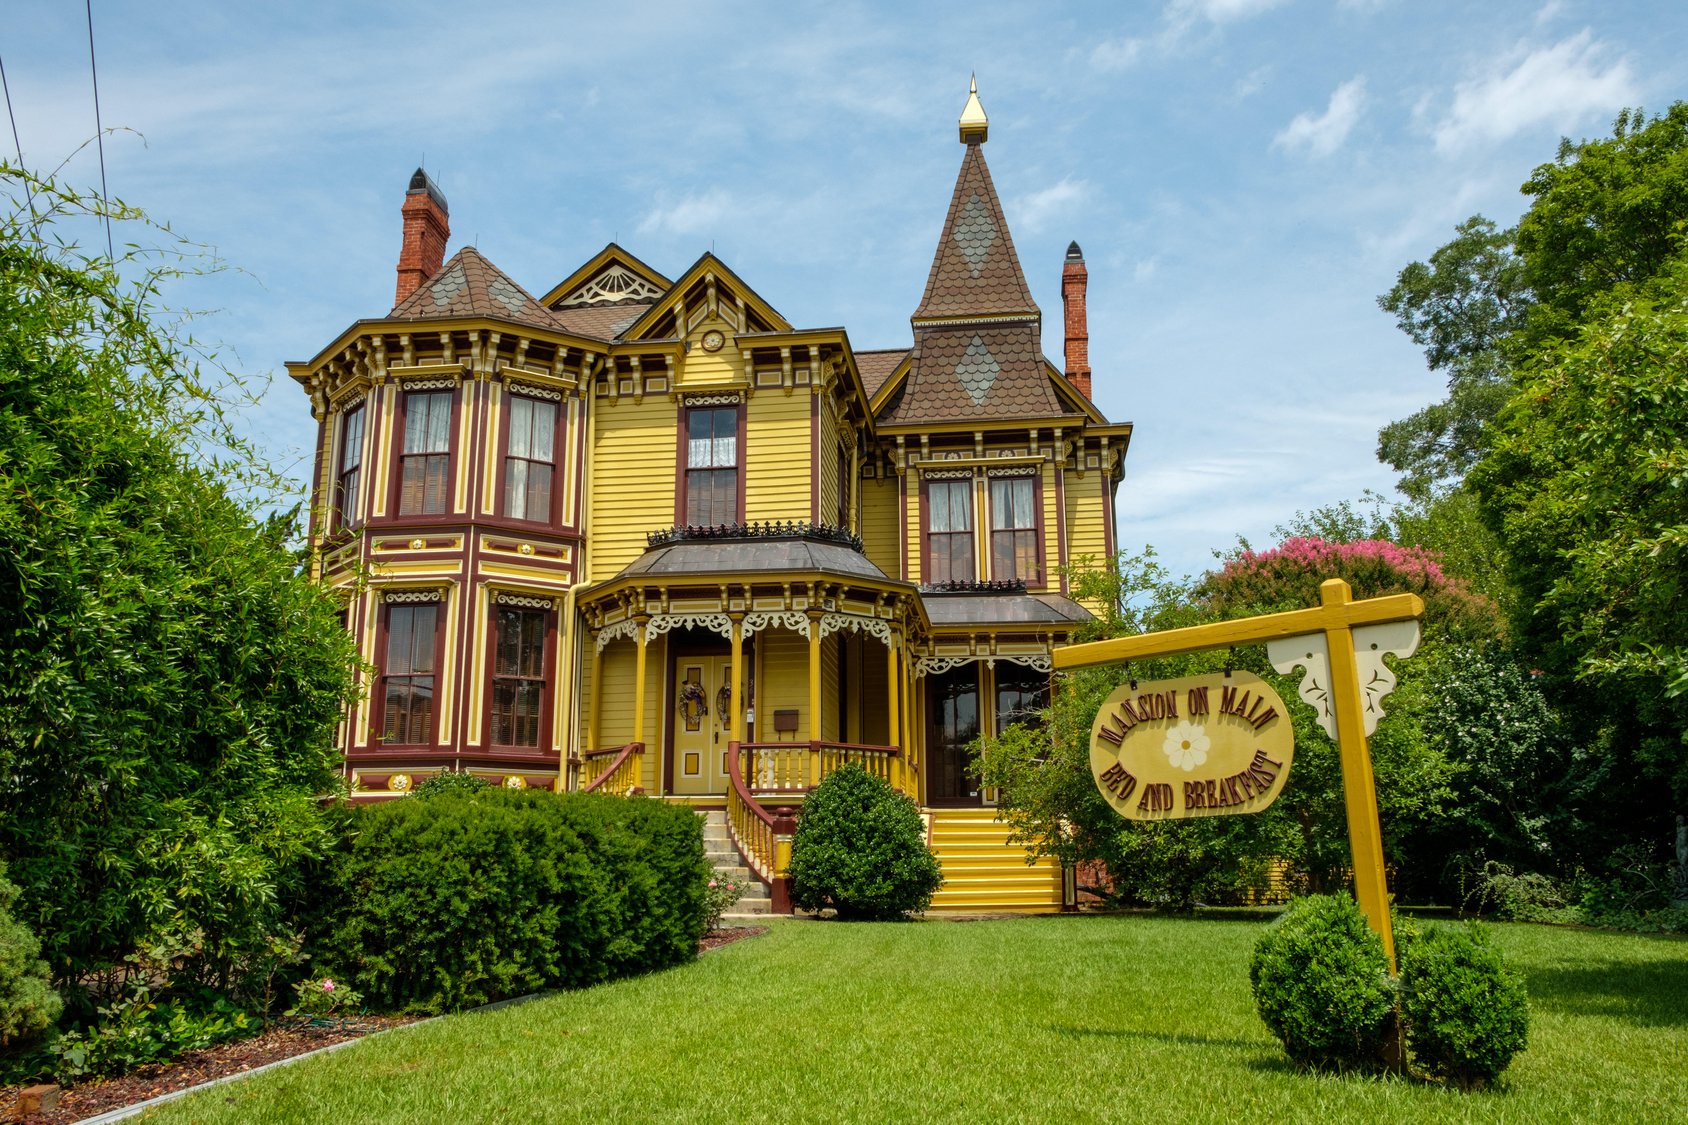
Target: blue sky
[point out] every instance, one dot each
(1245, 176)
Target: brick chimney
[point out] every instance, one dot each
(1074, 279)
(426, 232)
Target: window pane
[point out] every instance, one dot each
(516, 488)
(544, 430)
(538, 492)
(401, 623)
(521, 426)
(351, 439)
(425, 618)
(434, 491)
(427, 422)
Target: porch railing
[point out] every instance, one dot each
(615, 770)
(780, 768)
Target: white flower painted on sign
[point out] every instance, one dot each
(1186, 746)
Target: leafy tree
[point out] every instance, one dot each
(1459, 307)
(169, 679)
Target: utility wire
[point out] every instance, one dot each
(99, 134)
(18, 144)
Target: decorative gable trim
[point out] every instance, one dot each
(612, 285)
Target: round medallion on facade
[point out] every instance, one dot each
(399, 783)
(712, 341)
(515, 781)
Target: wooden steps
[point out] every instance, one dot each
(983, 872)
(723, 856)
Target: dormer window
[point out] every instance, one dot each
(425, 463)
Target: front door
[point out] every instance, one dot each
(702, 723)
(952, 701)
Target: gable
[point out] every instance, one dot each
(612, 276)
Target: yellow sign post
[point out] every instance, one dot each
(1340, 644)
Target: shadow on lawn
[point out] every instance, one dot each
(1069, 1032)
(1648, 993)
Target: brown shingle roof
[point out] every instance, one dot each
(975, 371)
(876, 367)
(469, 285)
(603, 322)
(975, 270)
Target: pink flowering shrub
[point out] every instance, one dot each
(1288, 577)
(323, 997)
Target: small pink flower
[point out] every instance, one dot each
(327, 985)
(711, 882)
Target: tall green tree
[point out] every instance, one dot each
(169, 679)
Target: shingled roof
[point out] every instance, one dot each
(975, 371)
(469, 285)
(876, 367)
(975, 271)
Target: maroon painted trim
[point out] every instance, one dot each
(396, 486)
(814, 450)
(321, 517)
(625, 753)
(680, 455)
(548, 676)
(578, 431)
(1038, 527)
(741, 456)
(1107, 512)
(378, 701)
(1061, 520)
(902, 525)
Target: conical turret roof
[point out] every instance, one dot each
(975, 271)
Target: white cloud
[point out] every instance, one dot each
(695, 214)
(1034, 211)
(1218, 11)
(1323, 135)
(1555, 86)
(1251, 83)
(1117, 54)
(1550, 11)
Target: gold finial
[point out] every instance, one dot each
(975, 128)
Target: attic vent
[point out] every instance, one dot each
(615, 283)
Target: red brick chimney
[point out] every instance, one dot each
(426, 232)
(1074, 279)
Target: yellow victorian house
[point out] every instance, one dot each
(642, 535)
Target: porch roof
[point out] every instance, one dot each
(730, 556)
(956, 609)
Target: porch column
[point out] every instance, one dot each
(639, 682)
(593, 695)
(737, 703)
(814, 698)
(893, 713)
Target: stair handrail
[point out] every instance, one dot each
(623, 754)
(762, 837)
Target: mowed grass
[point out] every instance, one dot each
(1121, 1018)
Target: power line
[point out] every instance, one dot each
(18, 144)
(99, 134)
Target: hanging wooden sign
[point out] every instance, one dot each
(1215, 745)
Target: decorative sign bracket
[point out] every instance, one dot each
(1341, 644)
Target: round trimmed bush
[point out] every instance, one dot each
(1321, 983)
(1466, 1012)
(860, 848)
(28, 1004)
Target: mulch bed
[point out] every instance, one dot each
(195, 1067)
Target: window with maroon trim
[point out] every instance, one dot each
(425, 462)
(350, 469)
(949, 530)
(407, 675)
(518, 676)
(1014, 552)
(712, 466)
(1021, 695)
(530, 458)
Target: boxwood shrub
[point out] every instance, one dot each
(860, 848)
(1321, 983)
(1465, 1012)
(469, 897)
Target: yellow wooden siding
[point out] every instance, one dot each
(615, 704)
(869, 685)
(826, 442)
(911, 531)
(634, 464)
(379, 418)
(784, 657)
(776, 457)
(829, 690)
(1084, 518)
(880, 539)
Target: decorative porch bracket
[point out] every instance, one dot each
(1341, 644)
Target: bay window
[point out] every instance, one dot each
(1014, 546)
(425, 462)
(518, 676)
(350, 468)
(407, 675)
(530, 458)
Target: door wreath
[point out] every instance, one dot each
(694, 704)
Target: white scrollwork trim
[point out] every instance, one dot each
(832, 622)
(355, 398)
(429, 384)
(1377, 680)
(667, 622)
(936, 665)
(1018, 471)
(794, 620)
(1309, 652)
(1035, 663)
(946, 474)
(411, 597)
(532, 391)
(615, 632)
(524, 602)
(714, 400)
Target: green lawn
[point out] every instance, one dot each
(1043, 1019)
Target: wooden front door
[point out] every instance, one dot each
(952, 722)
(702, 726)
